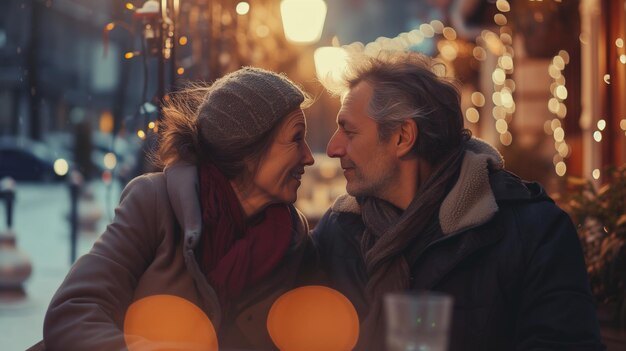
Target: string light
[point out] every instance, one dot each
(597, 136)
(141, 134)
(557, 107)
(242, 8)
(596, 174)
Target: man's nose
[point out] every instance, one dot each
(335, 146)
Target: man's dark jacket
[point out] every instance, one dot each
(518, 280)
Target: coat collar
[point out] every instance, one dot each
(183, 191)
(471, 201)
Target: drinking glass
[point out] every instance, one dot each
(418, 321)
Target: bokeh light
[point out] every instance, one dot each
(595, 174)
(560, 168)
(601, 124)
(61, 167)
(242, 8)
(313, 318)
(597, 136)
(110, 160)
(168, 322)
(472, 115)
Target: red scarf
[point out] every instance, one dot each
(232, 253)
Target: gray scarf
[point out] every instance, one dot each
(393, 239)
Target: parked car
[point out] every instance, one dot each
(27, 160)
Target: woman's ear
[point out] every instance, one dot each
(406, 138)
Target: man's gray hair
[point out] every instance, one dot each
(407, 85)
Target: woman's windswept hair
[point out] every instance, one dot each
(178, 133)
(411, 85)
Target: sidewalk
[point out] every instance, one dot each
(42, 232)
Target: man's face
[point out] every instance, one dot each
(369, 164)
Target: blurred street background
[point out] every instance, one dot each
(82, 81)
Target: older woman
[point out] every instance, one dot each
(216, 228)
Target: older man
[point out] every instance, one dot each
(429, 207)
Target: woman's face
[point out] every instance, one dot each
(280, 170)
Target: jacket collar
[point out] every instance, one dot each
(470, 202)
(183, 191)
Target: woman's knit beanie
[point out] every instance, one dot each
(243, 105)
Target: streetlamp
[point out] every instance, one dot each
(303, 20)
(330, 64)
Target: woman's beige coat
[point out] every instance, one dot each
(149, 250)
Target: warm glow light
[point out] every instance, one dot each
(496, 98)
(449, 33)
(182, 40)
(506, 98)
(607, 78)
(141, 134)
(503, 6)
(303, 21)
(242, 8)
(427, 30)
(558, 62)
(506, 62)
(479, 53)
(330, 64)
(167, 322)
(494, 44)
(506, 138)
(601, 124)
(61, 167)
(622, 124)
(313, 318)
(472, 115)
(560, 168)
(562, 112)
(554, 71)
(129, 55)
(553, 105)
(437, 26)
(563, 150)
(130, 6)
(506, 38)
(110, 26)
(554, 124)
(619, 42)
(499, 19)
(151, 125)
(564, 55)
(547, 129)
(622, 59)
(180, 71)
(559, 134)
(597, 136)
(106, 122)
(110, 160)
(596, 174)
(502, 126)
(478, 99)
(499, 112)
(561, 92)
(448, 52)
(498, 76)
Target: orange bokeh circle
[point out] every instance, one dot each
(168, 322)
(313, 318)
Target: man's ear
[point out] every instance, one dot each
(406, 137)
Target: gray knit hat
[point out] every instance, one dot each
(244, 104)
